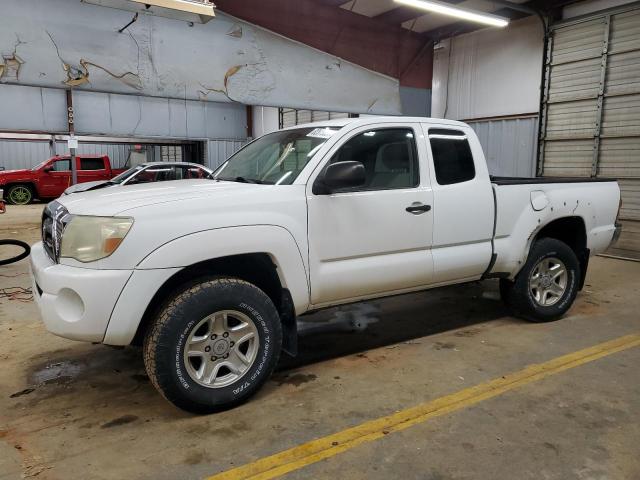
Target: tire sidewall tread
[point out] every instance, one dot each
(518, 296)
(165, 340)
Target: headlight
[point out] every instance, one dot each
(88, 239)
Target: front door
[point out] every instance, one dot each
(372, 239)
(56, 181)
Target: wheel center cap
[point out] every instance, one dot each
(220, 347)
(546, 281)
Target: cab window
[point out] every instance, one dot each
(389, 157)
(158, 173)
(452, 157)
(192, 172)
(63, 165)
(91, 164)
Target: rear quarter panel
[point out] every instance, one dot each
(518, 223)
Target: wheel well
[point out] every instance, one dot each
(31, 185)
(572, 231)
(255, 268)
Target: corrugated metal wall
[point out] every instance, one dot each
(16, 155)
(290, 117)
(123, 116)
(591, 119)
(37, 109)
(493, 72)
(509, 145)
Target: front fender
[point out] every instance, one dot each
(273, 240)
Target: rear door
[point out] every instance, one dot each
(363, 241)
(92, 169)
(463, 212)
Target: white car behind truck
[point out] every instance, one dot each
(210, 275)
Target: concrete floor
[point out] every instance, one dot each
(74, 410)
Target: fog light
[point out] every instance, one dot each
(69, 305)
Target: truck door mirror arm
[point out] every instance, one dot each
(347, 174)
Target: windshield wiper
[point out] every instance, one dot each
(243, 180)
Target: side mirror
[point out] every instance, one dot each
(340, 175)
(47, 169)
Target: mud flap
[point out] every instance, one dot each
(583, 260)
(289, 325)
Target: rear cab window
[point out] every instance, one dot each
(91, 164)
(452, 158)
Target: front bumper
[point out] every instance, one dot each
(75, 302)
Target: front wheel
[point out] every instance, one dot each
(213, 345)
(547, 285)
(19, 195)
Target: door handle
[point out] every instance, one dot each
(417, 208)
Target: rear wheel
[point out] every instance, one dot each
(547, 285)
(213, 345)
(19, 194)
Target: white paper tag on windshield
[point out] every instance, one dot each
(320, 133)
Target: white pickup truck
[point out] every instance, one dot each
(210, 275)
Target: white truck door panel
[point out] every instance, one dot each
(463, 210)
(365, 242)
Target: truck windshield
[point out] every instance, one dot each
(40, 165)
(277, 158)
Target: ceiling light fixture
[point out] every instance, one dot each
(463, 13)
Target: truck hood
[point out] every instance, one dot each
(86, 186)
(115, 201)
(14, 173)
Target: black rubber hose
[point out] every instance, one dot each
(17, 258)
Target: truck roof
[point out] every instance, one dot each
(164, 164)
(82, 155)
(341, 122)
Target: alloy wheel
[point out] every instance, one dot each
(221, 348)
(548, 281)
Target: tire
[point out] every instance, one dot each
(19, 194)
(540, 291)
(224, 308)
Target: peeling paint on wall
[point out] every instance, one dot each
(224, 60)
(10, 69)
(11, 63)
(128, 78)
(77, 76)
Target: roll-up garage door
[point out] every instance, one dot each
(290, 117)
(591, 109)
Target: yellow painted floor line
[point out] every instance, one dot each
(311, 452)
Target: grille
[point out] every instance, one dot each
(54, 219)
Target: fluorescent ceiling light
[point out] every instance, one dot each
(463, 13)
